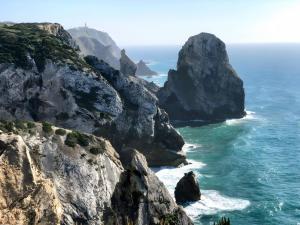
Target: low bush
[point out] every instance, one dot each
(47, 127)
(60, 132)
(75, 137)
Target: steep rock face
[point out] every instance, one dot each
(127, 67)
(97, 43)
(142, 124)
(204, 86)
(187, 189)
(95, 98)
(144, 70)
(140, 198)
(45, 179)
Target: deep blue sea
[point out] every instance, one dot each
(248, 169)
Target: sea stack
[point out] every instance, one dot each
(127, 67)
(187, 189)
(204, 86)
(144, 70)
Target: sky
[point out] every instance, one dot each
(167, 22)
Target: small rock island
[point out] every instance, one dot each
(187, 189)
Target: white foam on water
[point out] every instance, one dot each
(212, 202)
(189, 147)
(250, 115)
(170, 175)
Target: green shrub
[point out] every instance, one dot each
(71, 139)
(96, 150)
(170, 219)
(47, 127)
(30, 125)
(223, 221)
(60, 132)
(82, 139)
(9, 126)
(75, 137)
(20, 125)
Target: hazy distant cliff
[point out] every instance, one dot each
(204, 86)
(97, 43)
(101, 45)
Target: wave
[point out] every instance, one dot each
(250, 115)
(212, 202)
(189, 147)
(170, 175)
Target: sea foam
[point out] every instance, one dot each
(212, 202)
(250, 115)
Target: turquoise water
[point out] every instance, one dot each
(248, 169)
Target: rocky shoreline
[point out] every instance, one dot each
(77, 135)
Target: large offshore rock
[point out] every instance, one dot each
(204, 86)
(48, 177)
(187, 189)
(60, 87)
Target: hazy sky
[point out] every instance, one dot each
(161, 22)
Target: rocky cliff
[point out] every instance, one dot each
(204, 86)
(144, 70)
(42, 78)
(97, 43)
(100, 44)
(50, 175)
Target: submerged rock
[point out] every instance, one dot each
(144, 70)
(204, 86)
(46, 180)
(127, 67)
(187, 189)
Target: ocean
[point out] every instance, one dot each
(248, 169)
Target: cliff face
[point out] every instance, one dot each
(64, 89)
(100, 44)
(204, 86)
(55, 176)
(97, 43)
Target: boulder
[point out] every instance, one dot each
(127, 67)
(187, 189)
(204, 86)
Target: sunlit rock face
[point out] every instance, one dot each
(204, 86)
(88, 95)
(49, 177)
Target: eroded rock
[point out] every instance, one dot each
(187, 189)
(204, 86)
